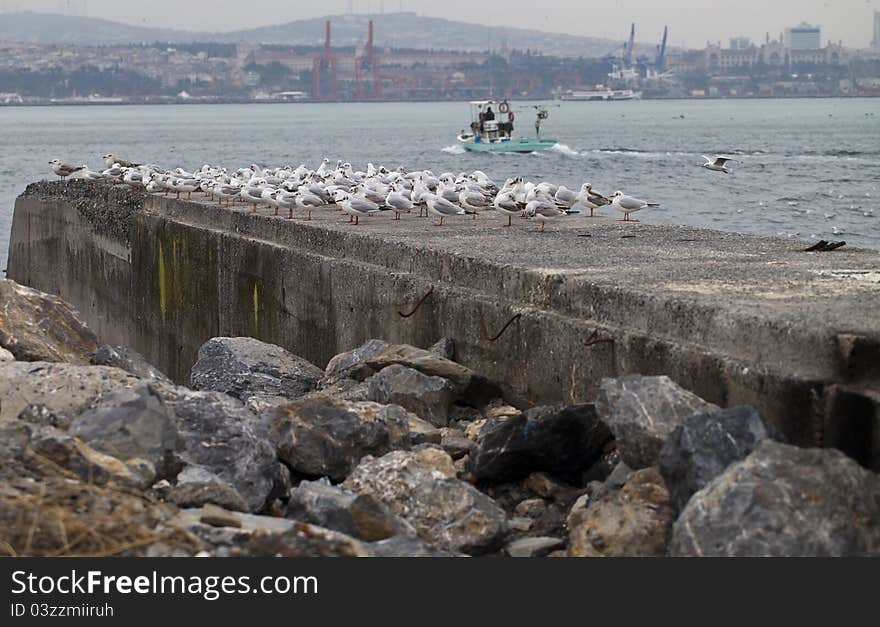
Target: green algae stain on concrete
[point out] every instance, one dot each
(163, 286)
(256, 308)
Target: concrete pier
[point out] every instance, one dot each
(735, 318)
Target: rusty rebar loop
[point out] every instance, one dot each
(504, 328)
(595, 339)
(418, 304)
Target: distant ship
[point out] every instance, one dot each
(489, 133)
(602, 94)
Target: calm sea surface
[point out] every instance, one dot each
(807, 168)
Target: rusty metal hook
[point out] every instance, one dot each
(595, 339)
(504, 328)
(418, 304)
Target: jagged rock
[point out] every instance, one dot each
(422, 432)
(420, 487)
(619, 476)
(445, 347)
(5, 355)
(471, 388)
(130, 423)
(352, 364)
(783, 501)
(533, 546)
(67, 389)
(230, 443)
(427, 397)
(357, 515)
(560, 439)
(219, 517)
(78, 457)
(43, 416)
(197, 487)
(635, 521)
(643, 411)
(343, 389)
(531, 508)
(457, 445)
(407, 546)
(129, 360)
(328, 438)
(244, 367)
(704, 445)
(268, 536)
(35, 326)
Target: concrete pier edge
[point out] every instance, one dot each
(735, 318)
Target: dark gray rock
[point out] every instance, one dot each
(134, 422)
(35, 326)
(357, 515)
(559, 439)
(420, 487)
(704, 445)
(43, 416)
(471, 389)
(457, 445)
(783, 501)
(243, 367)
(427, 397)
(229, 443)
(643, 411)
(197, 487)
(129, 360)
(352, 364)
(445, 347)
(408, 546)
(618, 476)
(324, 437)
(538, 546)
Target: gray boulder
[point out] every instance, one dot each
(700, 448)
(559, 439)
(129, 360)
(427, 397)
(783, 501)
(35, 326)
(229, 443)
(133, 423)
(360, 516)
(643, 411)
(67, 389)
(325, 437)
(420, 487)
(243, 367)
(352, 364)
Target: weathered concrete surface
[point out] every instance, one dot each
(734, 318)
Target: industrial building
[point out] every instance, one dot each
(803, 37)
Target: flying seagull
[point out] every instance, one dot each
(718, 164)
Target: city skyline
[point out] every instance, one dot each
(691, 24)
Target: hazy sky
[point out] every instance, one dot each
(691, 22)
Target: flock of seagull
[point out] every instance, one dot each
(361, 193)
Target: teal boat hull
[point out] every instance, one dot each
(516, 145)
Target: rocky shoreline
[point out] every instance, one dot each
(390, 450)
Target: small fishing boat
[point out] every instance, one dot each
(492, 129)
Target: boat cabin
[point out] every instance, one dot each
(491, 122)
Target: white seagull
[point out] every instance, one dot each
(718, 164)
(63, 169)
(628, 204)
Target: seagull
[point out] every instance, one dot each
(591, 199)
(441, 207)
(308, 202)
(398, 202)
(63, 169)
(506, 204)
(472, 201)
(355, 206)
(111, 160)
(628, 204)
(718, 164)
(544, 210)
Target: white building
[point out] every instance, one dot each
(803, 37)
